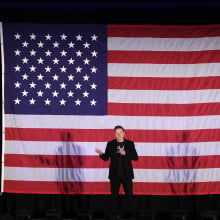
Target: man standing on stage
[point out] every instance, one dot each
(121, 152)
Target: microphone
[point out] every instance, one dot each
(119, 147)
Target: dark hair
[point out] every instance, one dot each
(118, 126)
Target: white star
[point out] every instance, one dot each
(40, 93)
(78, 85)
(94, 69)
(17, 52)
(71, 61)
(63, 86)
(56, 44)
(86, 61)
(24, 93)
(17, 36)
(47, 102)
(78, 37)
(32, 68)
(55, 77)
(62, 102)
(63, 69)
(25, 44)
(55, 61)
(85, 94)
(25, 60)
(40, 44)
(55, 93)
(78, 69)
(25, 76)
(94, 37)
(86, 77)
(40, 60)
(32, 85)
(93, 102)
(33, 52)
(63, 53)
(71, 44)
(48, 37)
(33, 36)
(48, 69)
(32, 101)
(17, 101)
(48, 53)
(86, 45)
(17, 84)
(70, 77)
(70, 93)
(17, 68)
(63, 37)
(78, 102)
(78, 53)
(94, 53)
(93, 86)
(47, 85)
(40, 77)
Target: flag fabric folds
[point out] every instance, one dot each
(65, 87)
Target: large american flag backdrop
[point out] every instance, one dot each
(65, 87)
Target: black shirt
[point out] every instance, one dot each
(120, 170)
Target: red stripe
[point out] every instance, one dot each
(82, 161)
(104, 188)
(103, 135)
(163, 32)
(177, 188)
(154, 83)
(177, 162)
(54, 161)
(141, 109)
(164, 57)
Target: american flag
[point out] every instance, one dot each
(65, 87)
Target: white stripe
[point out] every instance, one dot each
(163, 44)
(178, 149)
(163, 97)
(108, 122)
(88, 148)
(163, 70)
(101, 175)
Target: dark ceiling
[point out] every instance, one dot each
(132, 12)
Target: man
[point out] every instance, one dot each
(121, 152)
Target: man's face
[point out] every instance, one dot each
(119, 134)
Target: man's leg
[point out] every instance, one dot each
(128, 188)
(115, 186)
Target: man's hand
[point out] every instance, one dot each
(122, 151)
(97, 150)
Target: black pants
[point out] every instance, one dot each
(128, 189)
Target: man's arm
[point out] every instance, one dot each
(104, 156)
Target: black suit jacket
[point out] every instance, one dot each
(111, 152)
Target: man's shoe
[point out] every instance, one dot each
(117, 217)
(114, 217)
